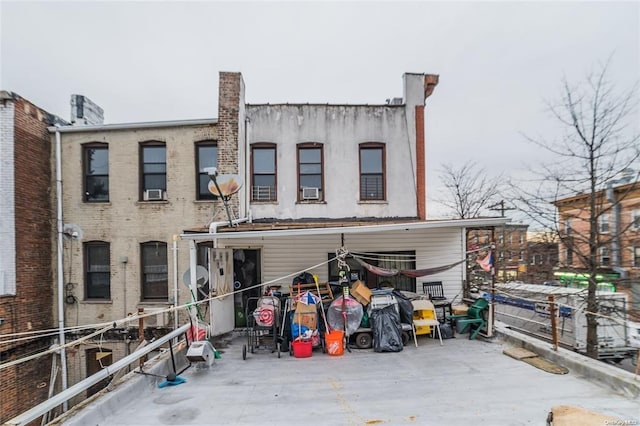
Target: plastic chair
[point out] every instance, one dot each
(424, 314)
(472, 320)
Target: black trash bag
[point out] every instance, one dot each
(405, 306)
(387, 331)
(446, 330)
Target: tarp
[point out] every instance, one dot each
(412, 273)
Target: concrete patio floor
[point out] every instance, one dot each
(465, 382)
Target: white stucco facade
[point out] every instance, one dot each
(339, 130)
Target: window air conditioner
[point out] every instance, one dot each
(153, 194)
(310, 193)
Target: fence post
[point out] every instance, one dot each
(554, 325)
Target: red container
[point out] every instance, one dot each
(302, 348)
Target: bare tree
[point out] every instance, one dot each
(470, 190)
(571, 195)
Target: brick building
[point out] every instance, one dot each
(618, 237)
(27, 230)
(510, 249)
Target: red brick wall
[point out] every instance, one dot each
(26, 384)
(228, 122)
(420, 164)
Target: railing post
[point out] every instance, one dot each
(554, 325)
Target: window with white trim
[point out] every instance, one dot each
(603, 223)
(605, 257)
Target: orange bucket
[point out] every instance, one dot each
(334, 342)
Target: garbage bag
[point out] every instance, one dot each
(387, 331)
(405, 307)
(352, 310)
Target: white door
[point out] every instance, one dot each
(221, 306)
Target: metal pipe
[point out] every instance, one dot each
(83, 385)
(63, 351)
(175, 280)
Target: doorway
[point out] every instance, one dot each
(246, 277)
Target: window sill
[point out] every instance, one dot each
(97, 302)
(142, 203)
(274, 202)
(97, 203)
(154, 302)
(311, 202)
(373, 202)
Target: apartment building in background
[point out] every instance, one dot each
(27, 251)
(618, 236)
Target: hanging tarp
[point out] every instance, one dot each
(411, 273)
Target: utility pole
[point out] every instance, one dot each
(501, 208)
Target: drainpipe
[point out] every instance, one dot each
(63, 352)
(615, 227)
(175, 280)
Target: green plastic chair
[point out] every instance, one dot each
(472, 321)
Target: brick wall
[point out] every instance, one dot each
(31, 308)
(230, 103)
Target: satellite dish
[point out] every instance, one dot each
(72, 231)
(225, 185)
(202, 276)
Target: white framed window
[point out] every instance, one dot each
(521, 255)
(636, 257)
(567, 226)
(521, 239)
(605, 257)
(603, 224)
(635, 219)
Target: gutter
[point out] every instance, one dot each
(454, 223)
(132, 126)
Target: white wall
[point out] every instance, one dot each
(341, 128)
(282, 256)
(7, 196)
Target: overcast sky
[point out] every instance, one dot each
(498, 61)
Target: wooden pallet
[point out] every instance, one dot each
(326, 295)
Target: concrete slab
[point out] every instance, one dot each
(465, 382)
(519, 353)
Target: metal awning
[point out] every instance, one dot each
(333, 230)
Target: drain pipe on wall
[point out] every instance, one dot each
(63, 352)
(175, 280)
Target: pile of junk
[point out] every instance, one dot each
(312, 317)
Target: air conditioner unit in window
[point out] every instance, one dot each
(158, 318)
(153, 194)
(310, 193)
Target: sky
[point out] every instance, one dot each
(499, 62)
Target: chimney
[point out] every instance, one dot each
(85, 112)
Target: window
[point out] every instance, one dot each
(509, 255)
(206, 156)
(635, 219)
(510, 239)
(501, 255)
(310, 168)
(501, 239)
(154, 271)
(95, 158)
(98, 359)
(402, 260)
(636, 257)
(605, 259)
(97, 271)
(521, 255)
(567, 226)
(521, 239)
(154, 170)
(372, 169)
(569, 255)
(603, 224)
(263, 172)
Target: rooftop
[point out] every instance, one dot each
(465, 382)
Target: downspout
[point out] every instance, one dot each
(175, 281)
(247, 177)
(615, 226)
(63, 352)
